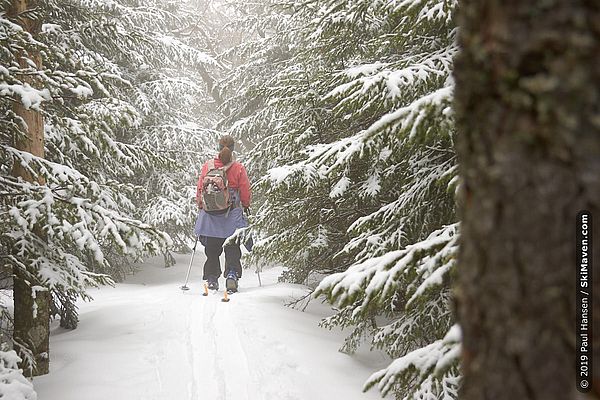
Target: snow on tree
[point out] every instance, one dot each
(122, 121)
(350, 111)
(13, 385)
(177, 114)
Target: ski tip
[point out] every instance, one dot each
(225, 298)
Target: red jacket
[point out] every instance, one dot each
(237, 178)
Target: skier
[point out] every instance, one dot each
(223, 196)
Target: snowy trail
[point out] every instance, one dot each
(146, 339)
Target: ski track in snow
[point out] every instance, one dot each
(147, 339)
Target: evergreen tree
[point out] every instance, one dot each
(31, 301)
(110, 84)
(351, 117)
(177, 112)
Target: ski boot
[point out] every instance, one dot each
(231, 281)
(213, 283)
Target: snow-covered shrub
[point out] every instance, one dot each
(13, 385)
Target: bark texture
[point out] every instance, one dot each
(31, 306)
(528, 109)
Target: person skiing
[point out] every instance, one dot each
(223, 196)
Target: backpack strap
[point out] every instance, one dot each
(211, 165)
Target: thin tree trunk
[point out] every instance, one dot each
(31, 302)
(528, 107)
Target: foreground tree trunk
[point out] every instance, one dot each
(528, 109)
(31, 301)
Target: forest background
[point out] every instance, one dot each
(346, 116)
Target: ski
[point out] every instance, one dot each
(225, 298)
(208, 290)
(226, 292)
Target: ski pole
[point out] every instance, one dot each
(258, 272)
(187, 276)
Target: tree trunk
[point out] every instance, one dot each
(32, 323)
(528, 107)
(31, 302)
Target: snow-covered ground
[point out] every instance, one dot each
(146, 339)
